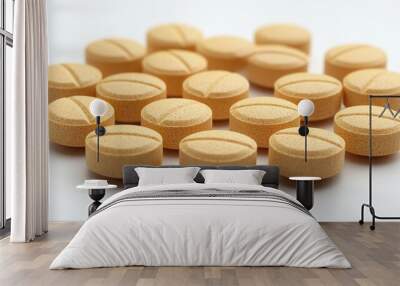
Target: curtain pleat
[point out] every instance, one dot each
(30, 186)
(15, 130)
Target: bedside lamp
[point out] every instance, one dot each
(98, 108)
(305, 109)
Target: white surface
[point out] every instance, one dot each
(305, 178)
(247, 177)
(164, 176)
(200, 231)
(73, 23)
(86, 187)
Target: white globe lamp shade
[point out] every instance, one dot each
(305, 107)
(98, 107)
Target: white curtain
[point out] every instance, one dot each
(27, 144)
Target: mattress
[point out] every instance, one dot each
(201, 225)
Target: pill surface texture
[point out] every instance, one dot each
(352, 124)
(218, 89)
(359, 85)
(123, 145)
(115, 55)
(268, 63)
(290, 35)
(326, 152)
(128, 93)
(70, 120)
(217, 147)
(260, 117)
(323, 90)
(173, 67)
(225, 52)
(175, 118)
(173, 36)
(344, 59)
(72, 79)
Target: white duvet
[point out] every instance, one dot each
(200, 231)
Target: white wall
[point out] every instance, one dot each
(73, 23)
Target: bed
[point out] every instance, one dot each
(201, 224)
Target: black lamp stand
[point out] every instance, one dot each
(303, 131)
(96, 195)
(100, 131)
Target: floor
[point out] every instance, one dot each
(375, 257)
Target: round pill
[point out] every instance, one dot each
(260, 117)
(268, 63)
(70, 120)
(173, 36)
(290, 35)
(225, 52)
(352, 124)
(325, 153)
(173, 67)
(175, 118)
(360, 84)
(72, 79)
(344, 59)
(115, 55)
(128, 93)
(323, 90)
(123, 145)
(218, 89)
(217, 147)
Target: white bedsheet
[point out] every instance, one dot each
(200, 231)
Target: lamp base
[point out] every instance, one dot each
(305, 193)
(96, 195)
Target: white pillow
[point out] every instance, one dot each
(165, 176)
(247, 177)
